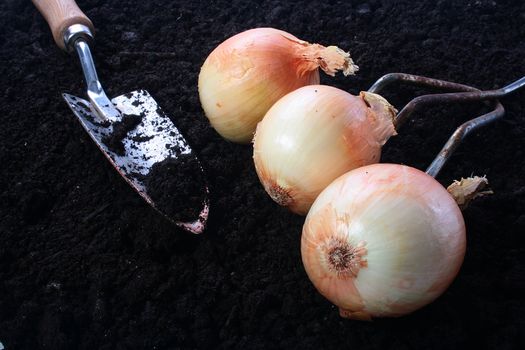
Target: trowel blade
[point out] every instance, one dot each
(153, 140)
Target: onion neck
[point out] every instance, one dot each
(381, 116)
(466, 190)
(330, 59)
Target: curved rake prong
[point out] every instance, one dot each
(459, 135)
(466, 94)
(455, 97)
(417, 80)
(423, 100)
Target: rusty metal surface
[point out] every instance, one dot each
(462, 93)
(459, 135)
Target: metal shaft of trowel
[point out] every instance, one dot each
(77, 38)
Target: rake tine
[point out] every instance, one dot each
(459, 135)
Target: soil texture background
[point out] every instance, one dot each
(86, 264)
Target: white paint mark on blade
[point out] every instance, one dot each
(160, 139)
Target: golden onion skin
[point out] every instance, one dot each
(383, 241)
(246, 74)
(315, 134)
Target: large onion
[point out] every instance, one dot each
(383, 240)
(246, 74)
(315, 134)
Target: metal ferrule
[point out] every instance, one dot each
(74, 32)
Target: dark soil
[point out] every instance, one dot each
(176, 185)
(119, 132)
(86, 264)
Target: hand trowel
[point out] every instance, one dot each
(131, 130)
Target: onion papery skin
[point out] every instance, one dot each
(312, 136)
(246, 74)
(383, 241)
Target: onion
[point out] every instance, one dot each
(246, 74)
(315, 134)
(382, 241)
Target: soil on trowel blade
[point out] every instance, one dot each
(177, 187)
(114, 141)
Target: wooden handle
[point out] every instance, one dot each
(60, 15)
